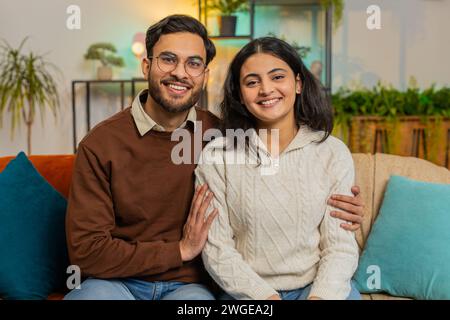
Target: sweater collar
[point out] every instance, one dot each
(304, 136)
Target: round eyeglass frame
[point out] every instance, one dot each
(176, 65)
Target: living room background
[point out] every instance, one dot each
(412, 41)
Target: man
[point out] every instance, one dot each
(134, 225)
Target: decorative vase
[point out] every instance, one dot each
(227, 26)
(104, 73)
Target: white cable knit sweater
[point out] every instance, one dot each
(274, 232)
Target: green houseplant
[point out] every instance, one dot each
(227, 8)
(26, 84)
(338, 9)
(384, 119)
(105, 53)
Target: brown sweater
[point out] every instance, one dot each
(128, 203)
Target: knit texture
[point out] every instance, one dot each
(274, 231)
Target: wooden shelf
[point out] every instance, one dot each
(87, 83)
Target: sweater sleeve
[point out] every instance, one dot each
(221, 259)
(339, 250)
(90, 221)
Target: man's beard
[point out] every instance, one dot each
(168, 105)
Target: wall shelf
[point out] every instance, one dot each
(261, 16)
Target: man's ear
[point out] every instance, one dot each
(145, 66)
(298, 84)
(205, 79)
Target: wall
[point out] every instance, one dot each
(413, 41)
(44, 21)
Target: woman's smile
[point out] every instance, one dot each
(269, 103)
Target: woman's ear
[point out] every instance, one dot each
(298, 84)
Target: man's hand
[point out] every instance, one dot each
(195, 230)
(274, 297)
(353, 209)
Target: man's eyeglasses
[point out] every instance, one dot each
(193, 66)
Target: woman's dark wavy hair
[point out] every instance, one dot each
(312, 106)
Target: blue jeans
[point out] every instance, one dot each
(135, 289)
(300, 294)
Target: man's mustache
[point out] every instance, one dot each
(175, 79)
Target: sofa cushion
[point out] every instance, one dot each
(372, 174)
(56, 169)
(380, 296)
(33, 253)
(414, 168)
(407, 250)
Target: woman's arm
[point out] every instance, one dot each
(339, 250)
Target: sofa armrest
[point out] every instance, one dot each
(364, 178)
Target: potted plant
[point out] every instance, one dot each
(338, 9)
(410, 123)
(26, 84)
(105, 53)
(227, 8)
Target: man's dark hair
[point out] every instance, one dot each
(179, 23)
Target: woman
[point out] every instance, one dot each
(274, 237)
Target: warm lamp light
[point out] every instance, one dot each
(138, 46)
(138, 49)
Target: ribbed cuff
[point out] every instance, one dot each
(172, 255)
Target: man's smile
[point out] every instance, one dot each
(177, 88)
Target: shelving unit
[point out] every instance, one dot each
(203, 17)
(88, 84)
(257, 8)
